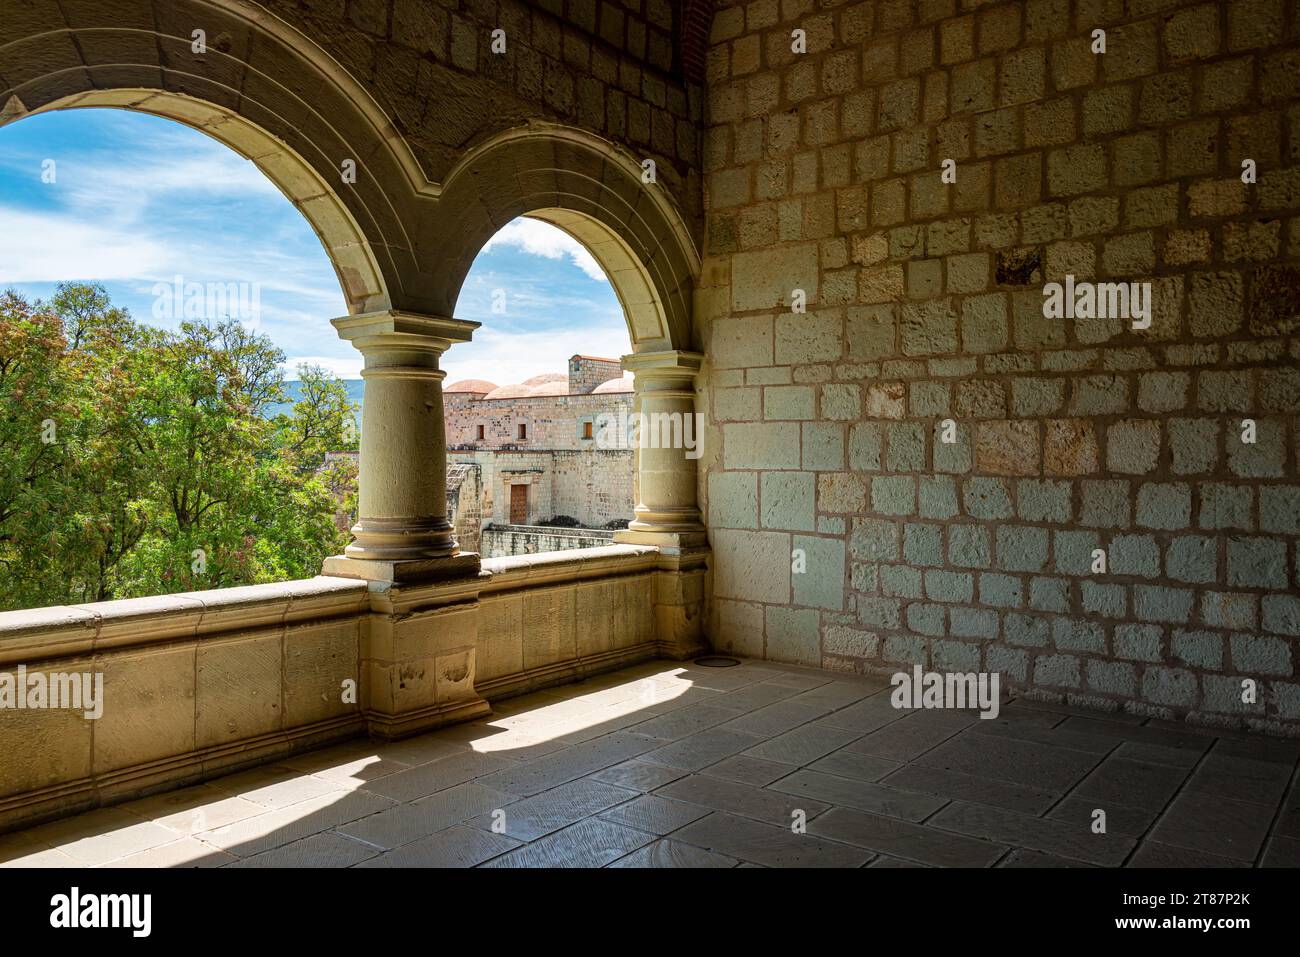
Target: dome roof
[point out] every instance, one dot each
(479, 386)
(508, 392)
(623, 384)
(551, 388)
(546, 377)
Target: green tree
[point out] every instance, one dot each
(162, 471)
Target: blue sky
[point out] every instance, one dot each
(137, 200)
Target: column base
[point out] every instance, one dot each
(393, 727)
(661, 538)
(406, 571)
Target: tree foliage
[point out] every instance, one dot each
(138, 461)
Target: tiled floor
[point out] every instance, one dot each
(667, 765)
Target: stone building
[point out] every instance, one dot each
(834, 229)
(539, 450)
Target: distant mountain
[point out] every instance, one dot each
(294, 392)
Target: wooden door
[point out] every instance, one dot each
(519, 505)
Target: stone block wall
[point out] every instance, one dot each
(847, 533)
(608, 66)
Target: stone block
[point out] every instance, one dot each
(1021, 548)
(1192, 559)
(986, 498)
(1202, 650)
(788, 500)
(923, 544)
(821, 585)
(1164, 505)
(1257, 563)
(1133, 446)
(1138, 642)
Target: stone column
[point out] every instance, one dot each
(419, 646)
(667, 513)
(402, 532)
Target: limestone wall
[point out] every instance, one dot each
(925, 304)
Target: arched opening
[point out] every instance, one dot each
(532, 405)
(183, 442)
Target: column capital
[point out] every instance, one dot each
(669, 364)
(395, 329)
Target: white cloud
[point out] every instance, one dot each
(49, 247)
(537, 238)
(345, 368)
(509, 357)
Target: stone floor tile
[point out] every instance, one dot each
(684, 721)
(437, 775)
(773, 719)
(409, 822)
(1011, 759)
(1067, 710)
(669, 853)
(1155, 854)
(966, 787)
(1214, 825)
(1073, 841)
(762, 804)
(847, 763)
(1281, 852)
(39, 857)
(115, 843)
(254, 835)
(1023, 858)
(801, 746)
(186, 852)
(638, 775)
(748, 770)
(1257, 747)
(872, 712)
(459, 846)
(838, 694)
(755, 696)
(766, 844)
(805, 680)
(592, 842)
(1158, 754)
(896, 862)
(863, 795)
(1140, 784)
(1139, 734)
(654, 814)
(911, 735)
(320, 850)
(1041, 734)
(551, 810)
(1241, 779)
(913, 842)
(562, 767)
(1121, 819)
(700, 750)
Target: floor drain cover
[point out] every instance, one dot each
(717, 661)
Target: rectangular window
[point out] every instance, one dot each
(523, 431)
(586, 430)
(480, 433)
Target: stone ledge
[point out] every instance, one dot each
(62, 631)
(517, 571)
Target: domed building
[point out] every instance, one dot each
(549, 477)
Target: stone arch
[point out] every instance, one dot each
(261, 88)
(592, 190)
